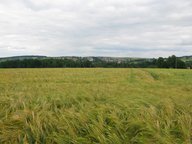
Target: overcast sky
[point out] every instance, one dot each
(131, 28)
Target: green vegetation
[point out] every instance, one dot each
(85, 106)
(87, 62)
(171, 62)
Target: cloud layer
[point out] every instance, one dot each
(139, 28)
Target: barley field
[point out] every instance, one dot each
(95, 106)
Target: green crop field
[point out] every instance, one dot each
(101, 106)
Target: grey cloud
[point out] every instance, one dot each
(97, 27)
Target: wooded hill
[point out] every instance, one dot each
(108, 62)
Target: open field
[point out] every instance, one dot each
(84, 106)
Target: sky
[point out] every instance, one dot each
(120, 28)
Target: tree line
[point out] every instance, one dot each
(170, 62)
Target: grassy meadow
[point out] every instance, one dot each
(95, 106)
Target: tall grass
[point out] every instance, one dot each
(84, 106)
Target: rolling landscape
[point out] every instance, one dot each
(95, 62)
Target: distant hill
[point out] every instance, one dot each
(34, 61)
(76, 58)
(186, 58)
(21, 57)
(91, 58)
